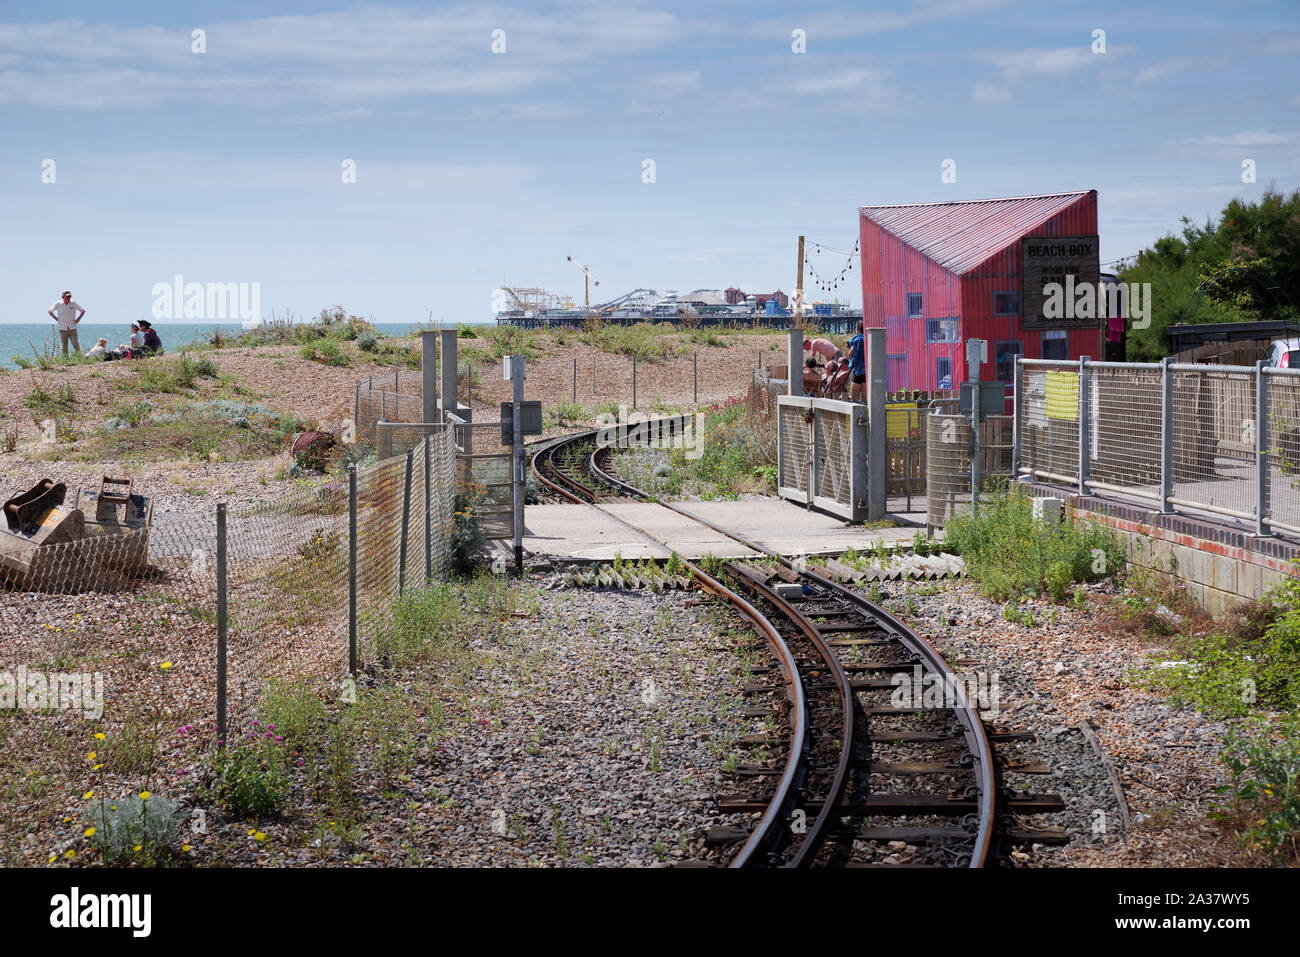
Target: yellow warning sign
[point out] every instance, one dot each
(1063, 395)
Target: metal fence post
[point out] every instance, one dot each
(221, 622)
(1261, 450)
(428, 517)
(352, 569)
(695, 375)
(406, 521)
(575, 380)
(1166, 434)
(634, 381)
(1017, 393)
(1085, 434)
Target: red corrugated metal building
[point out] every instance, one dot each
(937, 274)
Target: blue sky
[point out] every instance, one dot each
(475, 168)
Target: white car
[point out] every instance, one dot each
(1283, 353)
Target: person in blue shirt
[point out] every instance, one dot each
(858, 366)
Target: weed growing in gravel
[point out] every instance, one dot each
(62, 401)
(325, 351)
(1230, 672)
(1009, 554)
(1265, 789)
(141, 829)
(251, 779)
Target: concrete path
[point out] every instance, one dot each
(579, 532)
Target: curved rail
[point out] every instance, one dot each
(766, 836)
(972, 727)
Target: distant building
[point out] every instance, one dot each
(935, 275)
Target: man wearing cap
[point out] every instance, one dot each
(68, 315)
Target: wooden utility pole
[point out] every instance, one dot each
(798, 290)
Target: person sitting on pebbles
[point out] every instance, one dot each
(99, 351)
(152, 344)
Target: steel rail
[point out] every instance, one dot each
(767, 835)
(820, 827)
(972, 727)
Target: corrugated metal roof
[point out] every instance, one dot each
(960, 236)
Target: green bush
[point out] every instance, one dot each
(134, 829)
(467, 540)
(1265, 789)
(649, 342)
(366, 342)
(325, 351)
(421, 622)
(1226, 675)
(1011, 555)
(294, 711)
(250, 778)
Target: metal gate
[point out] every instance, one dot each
(822, 454)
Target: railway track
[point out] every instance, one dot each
(882, 739)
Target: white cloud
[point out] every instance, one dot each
(837, 24)
(342, 59)
(1247, 139)
(990, 93)
(1174, 66)
(1048, 62)
(672, 84)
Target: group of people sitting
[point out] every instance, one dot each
(144, 342)
(832, 375)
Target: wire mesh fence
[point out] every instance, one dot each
(1222, 440)
(948, 460)
(154, 595)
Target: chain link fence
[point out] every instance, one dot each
(1213, 439)
(299, 584)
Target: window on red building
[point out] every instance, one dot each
(913, 305)
(1006, 303)
(942, 330)
(1056, 344)
(1004, 359)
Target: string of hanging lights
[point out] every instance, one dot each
(832, 280)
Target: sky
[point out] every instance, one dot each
(128, 156)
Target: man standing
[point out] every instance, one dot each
(858, 367)
(68, 315)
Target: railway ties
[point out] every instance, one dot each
(914, 764)
(884, 756)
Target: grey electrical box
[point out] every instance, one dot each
(993, 398)
(530, 416)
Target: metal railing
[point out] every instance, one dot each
(1222, 440)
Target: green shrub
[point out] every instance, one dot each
(134, 414)
(649, 342)
(325, 351)
(467, 540)
(294, 711)
(420, 623)
(250, 778)
(1228, 675)
(61, 401)
(367, 343)
(1010, 555)
(1265, 789)
(135, 829)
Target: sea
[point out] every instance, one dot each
(20, 338)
